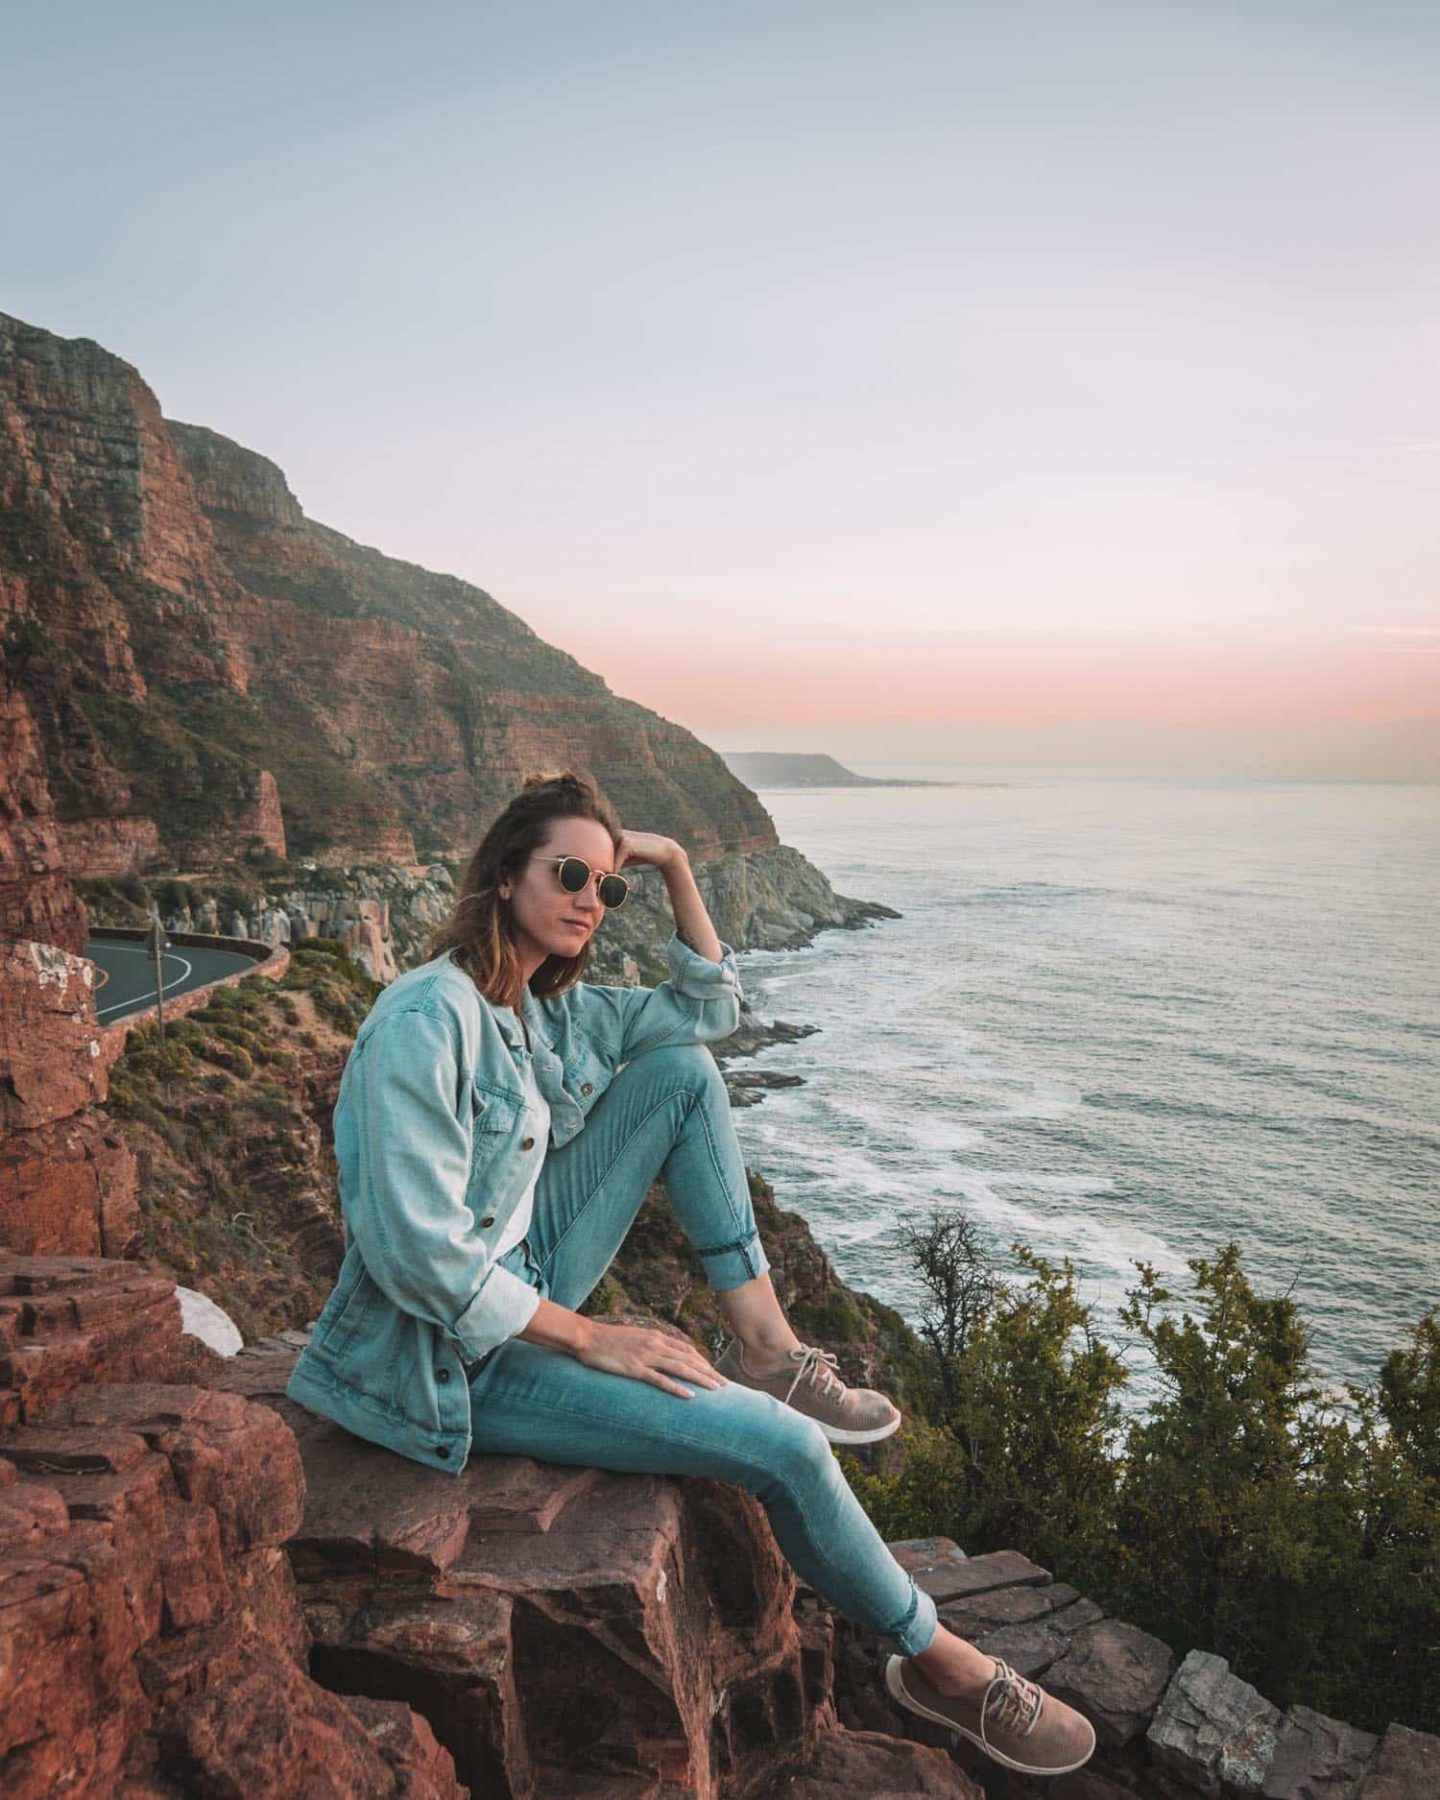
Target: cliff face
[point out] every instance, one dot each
(207, 669)
(36, 898)
(108, 596)
(67, 1177)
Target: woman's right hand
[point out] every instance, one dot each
(647, 1355)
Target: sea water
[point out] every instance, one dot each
(1122, 1020)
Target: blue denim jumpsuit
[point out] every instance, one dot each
(417, 1347)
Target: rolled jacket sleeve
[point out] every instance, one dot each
(700, 979)
(406, 1208)
(695, 1005)
(698, 1004)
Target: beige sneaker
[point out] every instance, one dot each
(808, 1382)
(1015, 1722)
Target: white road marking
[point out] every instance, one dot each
(186, 968)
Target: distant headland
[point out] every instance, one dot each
(776, 769)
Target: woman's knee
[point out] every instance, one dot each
(765, 1441)
(797, 1452)
(689, 1066)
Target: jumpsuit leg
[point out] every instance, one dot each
(668, 1110)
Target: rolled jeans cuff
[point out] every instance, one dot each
(911, 1635)
(730, 1264)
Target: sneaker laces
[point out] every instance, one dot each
(817, 1366)
(1012, 1699)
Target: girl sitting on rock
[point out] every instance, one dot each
(499, 1123)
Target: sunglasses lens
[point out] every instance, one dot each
(574, 874)
(613, 889)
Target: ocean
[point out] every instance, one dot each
(1122, 1019)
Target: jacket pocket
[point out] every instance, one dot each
(497, 1119)
(493, 1109)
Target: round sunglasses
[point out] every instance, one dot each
(575, 873)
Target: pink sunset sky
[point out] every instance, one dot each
(913, 383)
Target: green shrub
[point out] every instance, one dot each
(1239, 1513)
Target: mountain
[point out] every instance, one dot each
(206, 669)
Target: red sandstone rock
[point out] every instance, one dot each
(865, 1765)
(36, 898)
(70, 1186)
(112, 1532)
(68, 1322)
(67, 1180)
(50, 1067)
(151, 1642)
(557, 1626)
(268, 1729)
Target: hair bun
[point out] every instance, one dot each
(576, 781)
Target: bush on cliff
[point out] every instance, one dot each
(1241, 1512)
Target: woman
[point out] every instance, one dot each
(498, 1125)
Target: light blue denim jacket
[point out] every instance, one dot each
(433, 1158)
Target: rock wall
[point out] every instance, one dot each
(67, 1177)
(151, 1640)
(36, 897)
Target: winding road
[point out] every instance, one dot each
(128, 984)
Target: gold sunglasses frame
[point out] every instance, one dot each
(595, 875)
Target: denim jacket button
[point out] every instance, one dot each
(527, 1144)
(585, 1087)
(443, 1452)
(442, 1374)
(489, 1219)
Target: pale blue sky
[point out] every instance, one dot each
(968, 377)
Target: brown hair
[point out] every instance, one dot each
(478, 929)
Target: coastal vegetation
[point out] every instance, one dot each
(1245, 1511)
(226, 1116)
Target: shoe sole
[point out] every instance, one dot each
(837, 1436)
(895, 1682)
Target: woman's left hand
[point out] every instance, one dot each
(648, 847)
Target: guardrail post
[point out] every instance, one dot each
(156, 943)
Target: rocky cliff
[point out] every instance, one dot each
(206, 1591)
(37, 899)
(207, 670)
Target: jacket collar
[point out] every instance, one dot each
(504, 1017)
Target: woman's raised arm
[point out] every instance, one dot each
(692, 921)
